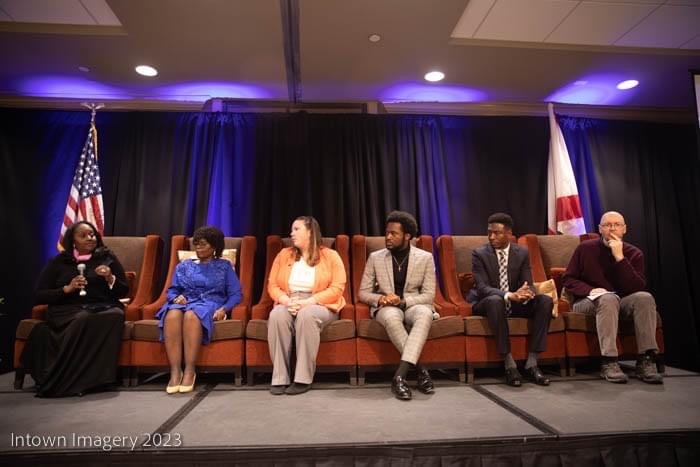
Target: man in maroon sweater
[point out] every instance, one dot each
(606, 278)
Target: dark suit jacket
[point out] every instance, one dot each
(485, 271)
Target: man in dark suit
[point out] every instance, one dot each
(502, 288)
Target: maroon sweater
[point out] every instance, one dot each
(593, 265)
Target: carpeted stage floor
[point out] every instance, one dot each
(579, 420)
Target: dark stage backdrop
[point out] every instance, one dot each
(167, 173)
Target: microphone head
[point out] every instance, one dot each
(81, 268)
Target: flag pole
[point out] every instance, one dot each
(94, 107)
(85, 197)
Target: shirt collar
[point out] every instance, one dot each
(506, 249)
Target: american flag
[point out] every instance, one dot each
(85, 199)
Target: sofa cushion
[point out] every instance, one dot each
(446, 326)
(338, 330)
(334, 331)
(479, 326)
(442, 327)
(227, 329)
(24, 328)
(586, 322)
(256, 329)
(371, 329)
(147, 330)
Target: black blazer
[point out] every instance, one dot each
(485, 271)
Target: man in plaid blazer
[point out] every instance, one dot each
(399, 285)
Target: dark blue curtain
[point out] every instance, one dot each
(167, 173)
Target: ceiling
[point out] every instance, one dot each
(493, 52)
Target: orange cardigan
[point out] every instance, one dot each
(329, 283)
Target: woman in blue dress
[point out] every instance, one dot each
(203, 291)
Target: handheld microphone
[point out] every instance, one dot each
(81, 271)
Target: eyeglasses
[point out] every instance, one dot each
(610, 225)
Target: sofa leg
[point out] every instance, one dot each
(250, 380)
(353, 376)
(462, 374)
(470, 374)
(572, 368)
(19, 378)
(360, 377)
(125, 374)
(562, 367)
(238, 378)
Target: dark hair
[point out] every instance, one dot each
(501, 218)
(315, 240)
(407, 221)
(213, 236)
(68, 242)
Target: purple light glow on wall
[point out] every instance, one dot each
(68, 87)
(600, 89)
(415, 92)
(82, 88)
(200, 91)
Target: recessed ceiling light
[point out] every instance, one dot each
(434, 76)
(629, 84)
(84, 69)
(146, 70)
(581, 82)
(374, 38)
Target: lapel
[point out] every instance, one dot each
(493, 266)
(411, 265)
(389, 270)
(510, 269)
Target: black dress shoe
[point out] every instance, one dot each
(535, 374)
(400, 389)
(424, 384)
(513, 377)
(297, 388)
(277, 389)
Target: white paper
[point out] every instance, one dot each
(593, 296)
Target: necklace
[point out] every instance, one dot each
(400, 265)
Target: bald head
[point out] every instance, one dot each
(612, 216)
(612, 224)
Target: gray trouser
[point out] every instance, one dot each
(306, 327)
(609, 308)
(417, 318)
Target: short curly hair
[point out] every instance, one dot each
(213, 236)
(501, 218)
(407, 221)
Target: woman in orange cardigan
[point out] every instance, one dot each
(306, 282)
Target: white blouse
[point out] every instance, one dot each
(302, 277)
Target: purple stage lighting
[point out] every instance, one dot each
(598, 89)
(419, 92)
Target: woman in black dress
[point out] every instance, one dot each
(77, 348)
